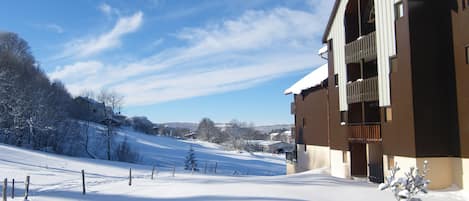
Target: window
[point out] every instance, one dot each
(390, 162)
(398, 10)
(336, 79)
(388, 115)
(467, 51)
(343, 117)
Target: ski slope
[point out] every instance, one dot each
(58, 178)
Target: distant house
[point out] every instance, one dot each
(88, 109)
(269, 146)
(284, 136)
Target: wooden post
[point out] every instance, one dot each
(174, 170)
(13, 189)
(4, 189)
(216, 165)
(26, 185)
(130, 177)
(83, 181)
(152, 172)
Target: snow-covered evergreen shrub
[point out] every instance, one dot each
(191, 163)
(406, 188)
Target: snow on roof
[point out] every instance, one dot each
(323, 50)
(287, 132)
(274, 134)
(263, 142)
(312, 79)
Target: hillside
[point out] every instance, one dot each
(167, 152)
(58, 178)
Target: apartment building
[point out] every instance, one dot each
(396, 91)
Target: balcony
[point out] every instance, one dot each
(364, 132)
(362, 48)
(363, 90)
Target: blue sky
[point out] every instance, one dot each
(178, 60)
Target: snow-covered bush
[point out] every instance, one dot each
(406, 188)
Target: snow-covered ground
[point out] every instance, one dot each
(168, 152)
(55, 177)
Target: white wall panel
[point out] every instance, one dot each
(337, 34)
(385, 45)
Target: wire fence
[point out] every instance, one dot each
(12, 188)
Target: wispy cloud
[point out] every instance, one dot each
(54, 27)
(51, 27)
(105, 8)
(228, 55)
(80, 48)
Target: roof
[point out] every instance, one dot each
(263, 142)
(312, 79)
(331, 20)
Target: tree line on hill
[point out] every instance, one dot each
(40, 114)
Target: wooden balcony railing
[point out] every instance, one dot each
(362, 48)
(364, 90)
(366, 132)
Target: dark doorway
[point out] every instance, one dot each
(376, 162)
(358, 159)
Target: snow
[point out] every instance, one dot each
(312, 79)
(58, 178)
(323, 50)
(263, 142)
(168, 152)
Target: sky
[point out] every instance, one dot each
(177, 61)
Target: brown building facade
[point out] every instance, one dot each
(397, 91)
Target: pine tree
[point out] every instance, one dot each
(190, 162)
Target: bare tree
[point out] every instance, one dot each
(209, 132)
(114, 102)
(87, 94)
(111, 99)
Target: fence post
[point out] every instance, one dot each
(130, 177)
(4, 189)
(26, 185)
(13, 189)
(174, 170)
(152, 172)
(83, 181)
(216, 165)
